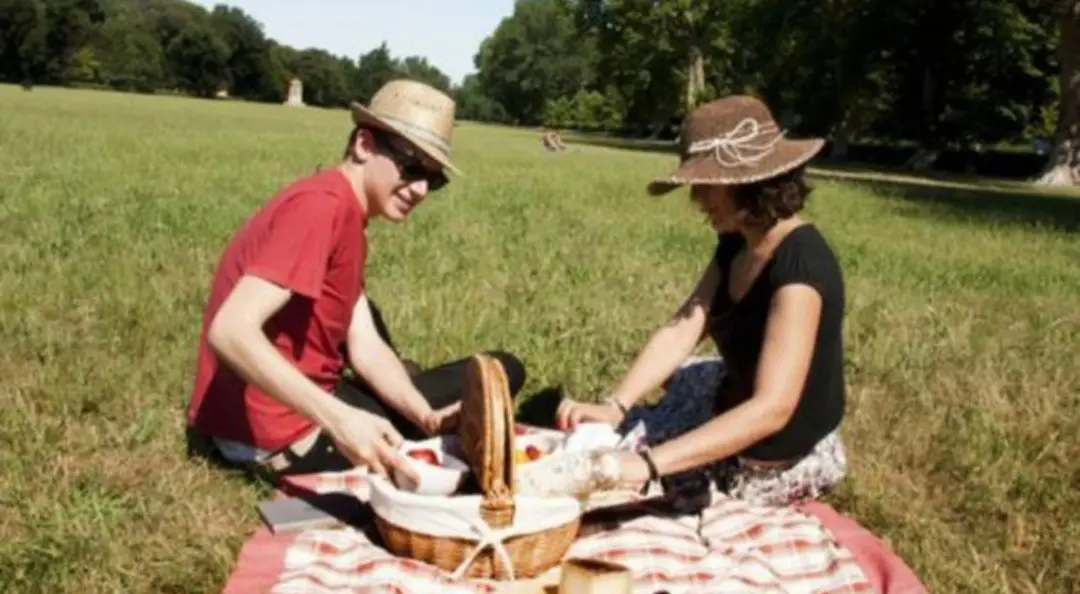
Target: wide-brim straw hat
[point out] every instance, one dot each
(414, 111)
(733, 141)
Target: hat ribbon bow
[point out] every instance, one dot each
(740, 146)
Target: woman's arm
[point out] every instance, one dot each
(669, 346)
(788, 347)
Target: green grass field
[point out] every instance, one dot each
(963, 362)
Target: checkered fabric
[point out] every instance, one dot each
(730, 547)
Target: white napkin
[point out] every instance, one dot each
(593, 436)
(565, 471)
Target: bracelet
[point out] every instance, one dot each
(654, 473)
(622, 408)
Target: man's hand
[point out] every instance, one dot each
(443, 420)
(369, 440)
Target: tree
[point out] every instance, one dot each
(419, 69)
(128, 53)
(23, 33)
(196, 57)
(373, 70)
(1063, 168)
(656, 54)
(39, 39)
(473, 104)
(534, 55)
(251, 72)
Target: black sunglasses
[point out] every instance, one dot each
(410, 166)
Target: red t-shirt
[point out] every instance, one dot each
(311, 239)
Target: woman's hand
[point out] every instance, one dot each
(583, 473)
(571, 474)
(571, 413)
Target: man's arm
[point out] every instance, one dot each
(236, 335)
(383, 370)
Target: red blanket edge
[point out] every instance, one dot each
(262, 557)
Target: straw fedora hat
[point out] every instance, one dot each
(733, 140)
(421, 114)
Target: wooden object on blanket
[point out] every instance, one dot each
(486, 434)
(594, 576)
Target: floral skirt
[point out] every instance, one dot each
(688, 403)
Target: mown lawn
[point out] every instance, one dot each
(963, 362)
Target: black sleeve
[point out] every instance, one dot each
(801, 262)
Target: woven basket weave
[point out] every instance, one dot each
(486, 434)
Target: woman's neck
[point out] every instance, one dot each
(761, 242)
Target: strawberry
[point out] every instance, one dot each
(425, 455)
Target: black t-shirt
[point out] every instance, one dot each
(738, 328)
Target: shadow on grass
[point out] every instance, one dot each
(978, 199)
(631, 144)
(958, 196)
(539, 408)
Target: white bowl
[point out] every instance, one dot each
(444, 479)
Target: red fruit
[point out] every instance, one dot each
(533, 452)
(424, 455)
(520, 429)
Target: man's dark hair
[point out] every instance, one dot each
(770, 200)
(355, 132)
(382, 138)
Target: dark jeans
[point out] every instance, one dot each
(441, 386)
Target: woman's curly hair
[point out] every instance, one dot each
(770, 200)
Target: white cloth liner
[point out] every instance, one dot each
(459, 517)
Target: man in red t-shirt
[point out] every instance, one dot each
(287, 309)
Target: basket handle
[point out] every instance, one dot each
(497, 508)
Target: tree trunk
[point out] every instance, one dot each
(841, 139)
(842, 131)
(1063, 169)
(695, 78)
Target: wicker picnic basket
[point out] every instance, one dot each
(538, 531)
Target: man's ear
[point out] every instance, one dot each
(360, 146)
(363, 146)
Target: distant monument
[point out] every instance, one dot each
(296, 93)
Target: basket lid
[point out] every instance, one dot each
(486, 429)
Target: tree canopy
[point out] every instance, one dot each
(931, 76)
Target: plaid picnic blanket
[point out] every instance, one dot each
(730, 547)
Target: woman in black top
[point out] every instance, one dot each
(763, 419)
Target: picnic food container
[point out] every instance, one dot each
(438, 468)
(493, 533)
